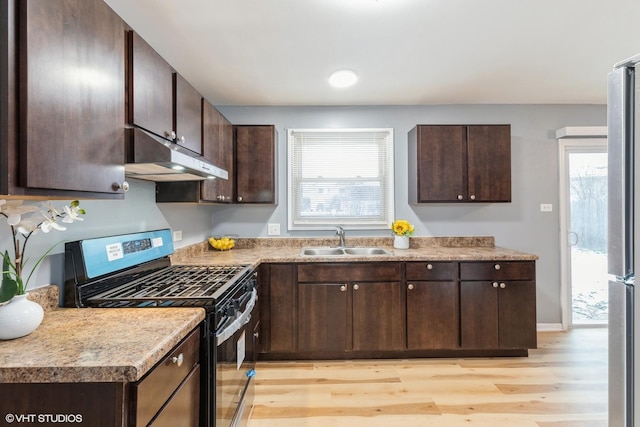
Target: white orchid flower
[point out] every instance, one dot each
(73, 214)
(27, 226)
(49, 224)
(14, 209)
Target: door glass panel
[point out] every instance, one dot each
(588, 236)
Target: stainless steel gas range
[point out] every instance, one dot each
(134, 270)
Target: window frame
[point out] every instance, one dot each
(329, 223)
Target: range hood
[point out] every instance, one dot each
(152, 158)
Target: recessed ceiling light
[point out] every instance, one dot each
(343, 78)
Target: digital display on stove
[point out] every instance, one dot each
(133, 246)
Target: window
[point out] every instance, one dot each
(340, 177)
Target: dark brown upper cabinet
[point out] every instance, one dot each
(255, 155)
(217, 134)
(161, 101)
(460, 163)
(187, 114)
(62, 91)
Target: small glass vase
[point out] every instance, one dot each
(401, 242)
(20, 317)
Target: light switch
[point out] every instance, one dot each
(273, 229)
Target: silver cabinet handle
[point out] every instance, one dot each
(460, 197)
(497, 266)
(356, 287)
(117, 186)
(239, 198)
(502, 286)
(494, 284)
(410, 286)
(429, 267)
(343, 288)
(473, 197)
(182, 138)
(178, 360)
(171, 135)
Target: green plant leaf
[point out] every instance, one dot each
(8, 286)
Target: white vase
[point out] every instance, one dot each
(20, 317)
(401, 242)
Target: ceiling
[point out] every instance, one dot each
(405, 52)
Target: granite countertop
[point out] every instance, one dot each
(253, 251)
(95, 344)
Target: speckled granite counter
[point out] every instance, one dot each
(95, 345)
(254, 251)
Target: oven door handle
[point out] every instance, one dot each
(239, 322)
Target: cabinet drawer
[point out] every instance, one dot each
(432, 270)
(498, 270)
(162, 381)
(182, 410)
(348, 272)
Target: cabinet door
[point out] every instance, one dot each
(433, 315)
(150, 99)
(217, 136)
(322, 317)
(517, 314)
(489, 163)
(478, 315)
(498, 315)
(255, 148)
(377, 316)
(441, 164)
(187, 114)
(71, 97)
(278, 307)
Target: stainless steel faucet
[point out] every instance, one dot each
(340, 234)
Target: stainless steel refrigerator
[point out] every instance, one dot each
(624, 335)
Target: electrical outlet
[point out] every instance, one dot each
(177, 235)
(546, 207)
(273, 229)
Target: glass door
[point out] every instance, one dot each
(584, 231)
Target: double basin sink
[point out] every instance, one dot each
(344, 251)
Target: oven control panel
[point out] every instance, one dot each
(106, 255)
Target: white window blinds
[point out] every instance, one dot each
(340, 177)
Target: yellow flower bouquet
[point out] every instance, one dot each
(402, 227)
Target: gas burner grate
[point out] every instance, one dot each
(174, 285)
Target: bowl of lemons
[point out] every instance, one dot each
(223, 243)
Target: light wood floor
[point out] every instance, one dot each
(562, 383)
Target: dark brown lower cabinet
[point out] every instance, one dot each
(398, 309)
(377, 316)
(278, 307)
(433, 315)
(323, 317)
(89, 404)
(498, 315)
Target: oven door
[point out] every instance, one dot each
(235, 365)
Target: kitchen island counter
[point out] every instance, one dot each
(96, 344)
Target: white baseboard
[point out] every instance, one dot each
(549, 327)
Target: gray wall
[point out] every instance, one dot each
(518, 225)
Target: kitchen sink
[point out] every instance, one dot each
(366, 251)
(343, 251)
